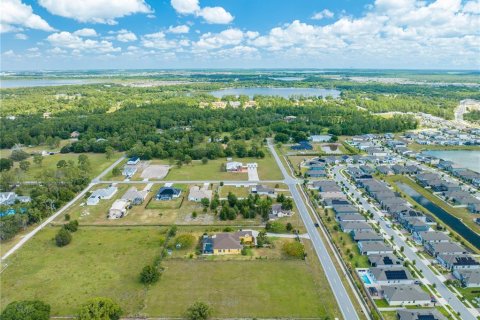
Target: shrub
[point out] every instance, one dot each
(67, 217)
(185, 241)
(294, 249)
(275, 227)
(198, 311)
(26, 310)
(72, 226)
(149, 275)
(63, 237)
(100, 308)
(173, 231)
(19, 155)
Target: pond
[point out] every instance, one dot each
(280, 92)
(466, 158)
(453, 222)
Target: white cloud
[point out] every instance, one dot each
(16, 15)
(212, 15)
(68, 40)
(225, 38)
(86, 32)
(9, 53)
(472, 7)
(325, 13)
(215, 15)
(185, 6)
(252, 34)
(179, 29)
(95, 11)
(126, 36)
(21, 36)
(158, 40)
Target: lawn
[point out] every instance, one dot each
(258, 288)
(98, 262)
(344, 242)
(461, 213)
(97, 160)
(420, 147)
(240, 192)
(107, 261)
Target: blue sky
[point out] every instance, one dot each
(91, 34)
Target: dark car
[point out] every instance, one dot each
(316, 225)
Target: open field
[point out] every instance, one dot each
(98, 163)
(5, 153)
(107, 261)
(240, 192)
(98, 262)
(461, 213)
(258, 288)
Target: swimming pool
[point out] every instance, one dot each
(366, 279)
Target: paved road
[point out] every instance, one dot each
(29, 235)
(343, 300)
(453, 301)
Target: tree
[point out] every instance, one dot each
(6, 164)
(61, 164)
(109, 152)
(38, 159)
(116, 172)
(199, 311)
(63, 237)
(100, 309)
(26, 310)
(19, 155)
(289, 227)
(294, 249)
(205, 202)
(84, 162)
(204, 160)
(149, 275)
(72, 226)
(287, 204)
(188, 159)
(24, 165)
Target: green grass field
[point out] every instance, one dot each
(97, 160)
(420, 147)
(107, 261)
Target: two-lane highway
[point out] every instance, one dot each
(344, 302)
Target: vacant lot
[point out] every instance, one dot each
(107, 262)
(258, 288)
(98, 262)
(98, 163)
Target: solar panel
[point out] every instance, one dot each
(426, 317)
(396, 274)
(387, 260)
(466, 261)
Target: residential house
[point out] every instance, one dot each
(384, 260)
(436, 249)
(457, 262)
(391, 275)
(344, 209)
(415, 225)
(133, 161)
(423, 237)
(316, 173)
(168, 193)
(134, 196)
(228, 243)
(349, 226)
(118, 209)
(350, 217)
(374, 247)
(101, 194)
(368, 235)
(278, 212)
(385, 170)
(420, 314)
(196, 193)
(74, 134)
(401, 295)
(128, 171)
(398, 169)
(320, 138)
(9, 198)
(376, 152)
(234, 166)
(263, 190)
(330, 202)
(469, 278)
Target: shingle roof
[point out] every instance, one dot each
(405, 293)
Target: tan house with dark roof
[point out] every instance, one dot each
(228, 243)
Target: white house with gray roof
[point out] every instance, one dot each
(403, 295)
(468, 278)
(388, 276)
(420, 314)
(101, 194)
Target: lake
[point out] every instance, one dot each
(465, 158)
(453, 222)
(280, 92)
(288, 78)
(26, 83)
